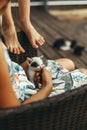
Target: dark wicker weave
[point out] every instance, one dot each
(26, 45)
(67, 111)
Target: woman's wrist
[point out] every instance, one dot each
(48, 85)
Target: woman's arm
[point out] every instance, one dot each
(45, 89)
(7, 95)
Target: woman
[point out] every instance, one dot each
(7, 95)
(16, 89)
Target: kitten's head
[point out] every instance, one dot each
(35, 63)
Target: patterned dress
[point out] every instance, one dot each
(22, 87)
(62, 79)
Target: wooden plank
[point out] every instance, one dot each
(52, 28)
(78, 60)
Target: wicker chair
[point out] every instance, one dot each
(67, 111)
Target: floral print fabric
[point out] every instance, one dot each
(62, 79)
(22, 87)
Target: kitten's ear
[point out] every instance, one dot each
(41, 57)
(29, 60)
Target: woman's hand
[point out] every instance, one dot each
(44, 77)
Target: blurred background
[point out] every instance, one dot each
(59, 19)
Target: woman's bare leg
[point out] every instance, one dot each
(66, 63)
(9, 32)
(34, 37)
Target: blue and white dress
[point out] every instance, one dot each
(22, 87)
(62, 79)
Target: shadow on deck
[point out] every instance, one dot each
(52, 28)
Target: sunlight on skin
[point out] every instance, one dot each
(9, 30)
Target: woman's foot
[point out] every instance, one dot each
(34, 37)
(11, 40)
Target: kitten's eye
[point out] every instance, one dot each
(34, 64)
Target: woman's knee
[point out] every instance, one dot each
(70, 64)
(66, 63)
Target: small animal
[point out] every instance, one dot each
(64, 44)
(35, 64)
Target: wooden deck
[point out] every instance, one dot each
(52, 28)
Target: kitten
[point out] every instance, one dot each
(35, 64)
